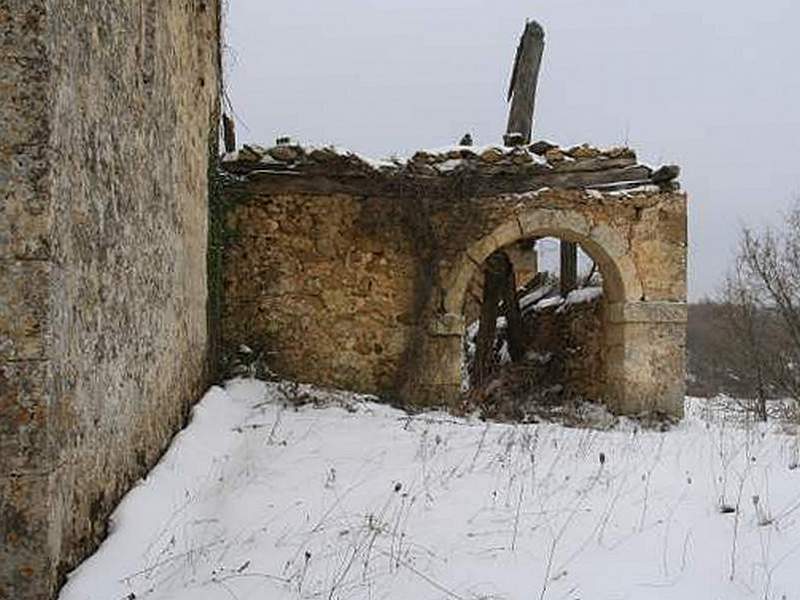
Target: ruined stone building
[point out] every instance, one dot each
(354, 274)
(115, 295)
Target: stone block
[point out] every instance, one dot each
(448, 324)
(570, 225)
(24, 309)
(25, 417)
(648, 312)
(507, 233)
(27, 567)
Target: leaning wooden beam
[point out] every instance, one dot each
(514, 324)
(499, 285)
(522, 90)
(493, 277)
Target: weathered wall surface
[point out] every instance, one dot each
(25, 445)
(639, 242)
(103, 320)
(573, 334)
(324, 284)
(354, 275)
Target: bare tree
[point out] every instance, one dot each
(746, 354)
(762, 298)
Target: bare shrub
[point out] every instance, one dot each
(762, 311)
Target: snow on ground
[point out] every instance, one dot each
(258, 500)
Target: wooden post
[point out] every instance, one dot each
(499, 284)
(514, 325)
(522, 90)
(493, 277)
(569, 267)
(228, 134)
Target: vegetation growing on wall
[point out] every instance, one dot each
(216, 228)
(216, 221)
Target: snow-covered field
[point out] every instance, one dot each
(256, 500)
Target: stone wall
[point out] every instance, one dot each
(107, 108)
(25, 409)
(573, 334)
(324, 285)
(353, 273)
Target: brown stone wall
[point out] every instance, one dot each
(575, 335)
(325, 284)
(638, 239)
(369, 290)
(103, 316)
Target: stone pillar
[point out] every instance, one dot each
(438, 377)
(646, 344)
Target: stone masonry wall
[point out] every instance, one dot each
(25, 445)
(324, 285)
(574, 334)
(353, 273)
(103, 334)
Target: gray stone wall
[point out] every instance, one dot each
(25, 445)
(107, 108)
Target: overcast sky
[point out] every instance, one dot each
(712, 85)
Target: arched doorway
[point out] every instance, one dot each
(630, 372)
(535, 331)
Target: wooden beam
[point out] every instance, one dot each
(522, 90)
(569, 267)
(499, 285)
(494, 276)
(515, 335)
(228, 133)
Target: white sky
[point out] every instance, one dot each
(712, 85)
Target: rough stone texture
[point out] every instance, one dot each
(325, 285)
(306, 279)
(573, 334)
(525, 260)
(105, 119)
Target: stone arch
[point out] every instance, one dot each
(607, 245)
